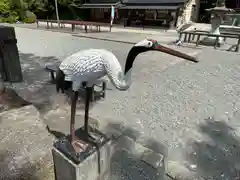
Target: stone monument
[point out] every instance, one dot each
(217, 15)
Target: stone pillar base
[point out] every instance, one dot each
(121, 157)
(94, 167)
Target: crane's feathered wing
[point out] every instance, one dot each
(91, 64)
(114, 71)
(85, 64)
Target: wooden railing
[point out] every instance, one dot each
(74, 23)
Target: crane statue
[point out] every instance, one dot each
(82, 69)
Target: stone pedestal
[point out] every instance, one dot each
(122, 157)
(94, 167)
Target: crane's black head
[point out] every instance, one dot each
(152, 45)
(142, 46)
(61, 84)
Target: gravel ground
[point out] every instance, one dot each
(170, 100)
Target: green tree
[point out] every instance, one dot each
(24, 10)
(34, 6)
(71, 5)
(4, 6)
(9, 14)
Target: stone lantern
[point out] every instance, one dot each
(217, 15)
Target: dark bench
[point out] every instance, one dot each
(52, 69)
(190, 35)
(74, 23)
(129, 22)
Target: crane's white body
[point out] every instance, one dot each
(92, 64)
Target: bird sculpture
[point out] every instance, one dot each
(82, 69)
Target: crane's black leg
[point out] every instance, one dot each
(77, 144)
(87, 103)
(73, 113)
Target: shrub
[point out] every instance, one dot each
(30, 17)
(29, 20)
(10, 18)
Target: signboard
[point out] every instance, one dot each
(112, 14)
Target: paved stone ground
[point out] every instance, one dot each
(170, 100)
(132, 35)
(115, 28)
(24, 146)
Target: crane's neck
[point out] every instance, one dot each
(124, 79)
(132, 56)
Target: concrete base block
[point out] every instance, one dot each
(120, 158)
(94, 167)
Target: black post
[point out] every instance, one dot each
(10, 67)
(185, 37)
(216, 42)
(198, 39)
(73, 27)
(37, 23)
(237, 47)
(189, 37)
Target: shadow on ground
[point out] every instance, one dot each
(219, 157)
(27, 171)
(128, 161)
(36, 87)
(24, 146)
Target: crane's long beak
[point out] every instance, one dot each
(175, 53)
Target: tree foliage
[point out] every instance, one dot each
(7, 12)
(70, 3)
(14, 10)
